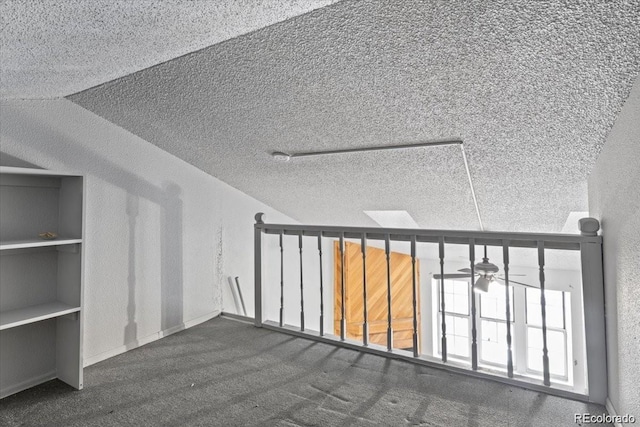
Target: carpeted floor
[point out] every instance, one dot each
(228, 373)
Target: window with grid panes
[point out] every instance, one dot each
(493, 325)
(457, 314)
(556, 331)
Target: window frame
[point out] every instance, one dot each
(438, 337)
(564, 331)
(519, 325)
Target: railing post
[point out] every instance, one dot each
(414, 296)
(442, 305)
(321, 286)
(594, 316)
(281, 280)
(387, 250)
(365, 313)
(257, 268)
(546, 376)
(474, 326)
(505, 259)
(343, 321)
(301, 284)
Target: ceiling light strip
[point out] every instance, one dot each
(473, 193)
(282, 156)
(279, 154)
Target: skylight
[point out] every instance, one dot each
(393, 219)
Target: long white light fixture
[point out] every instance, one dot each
(285, 157)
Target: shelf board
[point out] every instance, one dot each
(34, 313)
(36, 243)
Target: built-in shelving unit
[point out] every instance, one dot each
(41, 281)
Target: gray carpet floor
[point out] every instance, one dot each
(228, 373)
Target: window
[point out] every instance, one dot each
(554, 307)
(493, 304)
(457, 336)
(493, 342)
(556, 331)
(456, 306)
(525, 322)
(493, 325)
(456, 297)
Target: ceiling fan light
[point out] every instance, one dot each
(482, 284)
(485, 267)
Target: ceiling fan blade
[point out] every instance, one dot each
(452, 276)
(516, 282)
(465, 270)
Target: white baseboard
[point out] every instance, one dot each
(148, 339)
(612, 411)
(23, 385)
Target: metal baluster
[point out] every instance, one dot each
(301, 285)
(543, 309)
(321, 289)
(474, 326)
(442, 308)
(281, 282)
(415, 296)
(343, 324)
(387, 250)
(505, 258)
(365, 321)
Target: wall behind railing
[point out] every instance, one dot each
(614, 198)
(237, 253)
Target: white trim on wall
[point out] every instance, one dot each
(148, 339)
(612, 411)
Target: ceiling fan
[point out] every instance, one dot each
(486, 272)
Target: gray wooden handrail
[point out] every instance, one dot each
(489, 238)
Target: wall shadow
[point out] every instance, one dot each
(171, 229)
(29, 130)
(131, 329)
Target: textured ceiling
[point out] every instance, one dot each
(53, 48)
(531, 87)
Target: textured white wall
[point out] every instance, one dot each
(614, 198)
(161, 235)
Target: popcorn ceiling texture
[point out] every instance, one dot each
(532, 88)
(53, 48)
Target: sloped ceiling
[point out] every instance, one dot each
(53, 48)
(532, 88)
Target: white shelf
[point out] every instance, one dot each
(33, 350)
(35, 313)
(36, 243)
